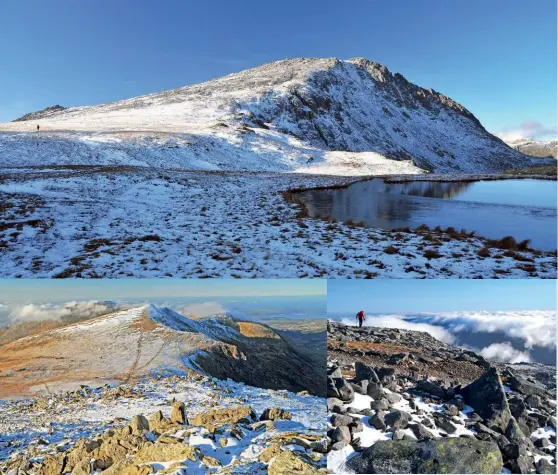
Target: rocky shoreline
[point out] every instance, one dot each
(400, 401)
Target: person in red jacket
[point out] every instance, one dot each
(360, 317)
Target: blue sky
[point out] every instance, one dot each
(15, 291)
(496, 57)
(416, 296)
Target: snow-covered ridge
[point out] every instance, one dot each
(321, 115)
(535, 148)
(139, 342)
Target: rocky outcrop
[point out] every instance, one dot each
(275, 414)
(41, 114)
(211, 420)
(288, 462)
(428, 456)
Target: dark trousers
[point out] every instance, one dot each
(360, 320)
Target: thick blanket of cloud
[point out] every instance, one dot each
(534, 327)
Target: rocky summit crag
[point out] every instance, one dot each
(400, 401)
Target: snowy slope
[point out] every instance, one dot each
(98, 223)
(283, 116)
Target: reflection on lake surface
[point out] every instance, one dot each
(524, 209)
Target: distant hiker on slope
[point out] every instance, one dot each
(38, 127)
(360, 317)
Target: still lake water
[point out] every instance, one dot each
(524, 209)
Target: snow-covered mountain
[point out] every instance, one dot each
(535, 148)
(130, 344)
(310, 115)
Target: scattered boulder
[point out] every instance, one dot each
(534, 401)
(334, 372)
(288, 462)
(332, 402)
(380, 405)
(344, 390)
(218, 417)
(53, 465)
(397, 419)
(374, 390)
(341, 434)
(274, 414)
(377, 421)
(398, 358)
(178, 413)
(158, 452)
(139, 424)
(431, 388)
(128, 467)
(363, 371)
(393, 398)
(544, 466)
(338, 420)
(445, 424)
(451, 455)
(521, 385)
(421, 432)
(486, 395)
(522, 464)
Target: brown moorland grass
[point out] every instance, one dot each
(255, 330)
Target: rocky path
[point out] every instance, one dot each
(399, 401)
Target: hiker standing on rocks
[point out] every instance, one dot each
(360, 317)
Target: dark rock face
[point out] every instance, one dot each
(359, 105)
(486, 395)
(455, 455)
(272, 363)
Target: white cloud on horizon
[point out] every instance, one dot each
(67, 310)
(529, 129)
